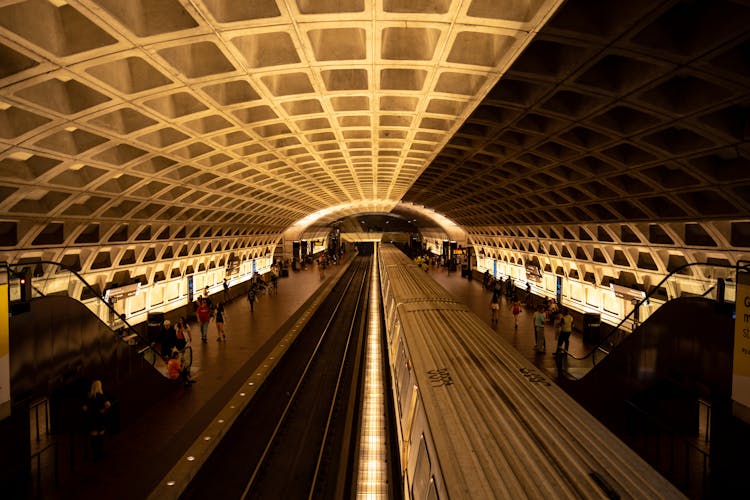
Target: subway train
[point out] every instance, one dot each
(477, 420)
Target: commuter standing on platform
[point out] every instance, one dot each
(540, 343)
(167, 338)
(566, 328)
(182, 332)
(251, 298)
(220, 317)
(204, 317)
(516, 310)
(96, 409)
(494, 308)
(225, 285)
(207, 299)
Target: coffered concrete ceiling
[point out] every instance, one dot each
(237, 112)
(132, 123)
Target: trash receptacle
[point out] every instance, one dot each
(154, 321)
(464, 271)
(592, 327)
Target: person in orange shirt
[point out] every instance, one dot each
(177, 371)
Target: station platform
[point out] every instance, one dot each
(145, 450)
(138, 457)
(474, 295)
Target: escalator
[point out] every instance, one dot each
(58, 345)
(666, 390)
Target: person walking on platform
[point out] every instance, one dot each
(204, 318)
(494, 308)
(225, 285)
(251, 298)
(540, 343)
(566, 328)
(516, 310)
(498, 287)
(220, 318)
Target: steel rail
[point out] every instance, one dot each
(295, 392)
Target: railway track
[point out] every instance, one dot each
(294, 438)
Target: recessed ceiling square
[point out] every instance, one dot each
(288, 84)
(123, 121)
(330, 6)
(12, 62)
(227, 11)
(459, 83)
(338, 44)
(229, 93)
(508, 10)
(61, 30)
(207, 124)
(163, 137)
(129, 75)
(198, 59)
(267, 49)
(345, 79)
(255, 114)
(67, 97)
(402, 79)
(480, 49)
(417, 6)
(149, 17)
(71, 142)
(353, 103)
(409, 43)
(313, 124)
(16, 121)
(303, 107)
(398, 103)
(176, 105)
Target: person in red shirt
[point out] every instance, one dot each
(204, 317)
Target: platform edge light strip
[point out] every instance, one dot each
(372, 477)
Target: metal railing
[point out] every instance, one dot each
(42, 443)
(59, 279)
(576, 367)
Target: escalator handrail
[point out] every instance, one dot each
(85, 283)
(616, 328)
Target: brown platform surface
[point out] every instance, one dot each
(145, 449)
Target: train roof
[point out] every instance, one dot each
(501, 428)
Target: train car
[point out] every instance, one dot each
(476, 420)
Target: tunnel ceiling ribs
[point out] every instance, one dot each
(625, 111)
(126, 124)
